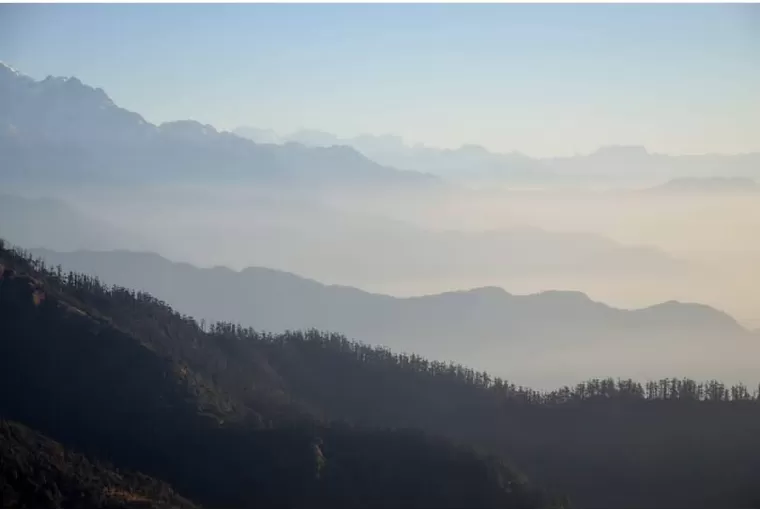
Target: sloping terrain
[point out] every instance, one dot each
(36, 471)
(62, 130)
(311, 419)
(544, 340)
(120, 377)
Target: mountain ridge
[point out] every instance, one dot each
(121, 375)
(565, 335)
(148, 388)
(708, 185)
(61, 127)
(474, 162)
(349, 243)
(488, 290)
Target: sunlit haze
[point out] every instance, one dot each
(379, 256)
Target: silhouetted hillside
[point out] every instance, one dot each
(36, 471)
(690, 444)
(119, 376)
(546, 339)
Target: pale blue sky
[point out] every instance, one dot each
(541, 79)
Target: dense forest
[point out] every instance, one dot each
(120, 377)
(36, 471)
(230, 416)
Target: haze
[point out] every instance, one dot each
(545, 80)
(611, 150)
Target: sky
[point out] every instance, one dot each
(545, 80)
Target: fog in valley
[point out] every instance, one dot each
(626, 247)
(623, 225)
(379, 256)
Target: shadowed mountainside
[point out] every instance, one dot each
(36, 471)
(121, 377)
(120, 374)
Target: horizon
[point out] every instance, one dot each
(584, 76)
(379, 255)
(406, 143)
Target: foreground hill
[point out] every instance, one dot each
(120, 377)
(112, 359)
(544, 340)
(36, 471)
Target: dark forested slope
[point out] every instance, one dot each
(120, 377)
(690, 444)
(332, 421)
(36, 471)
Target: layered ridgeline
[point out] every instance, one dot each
(62, 129)
(231, 416)
(473, 163)
(543, 340)
(120, 377)
(67, 132)
(337, 246)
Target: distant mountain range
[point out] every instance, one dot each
(467, 162)
(62, 129)
(690, 185)
(476, 164)
(337, 246)
(543, 340)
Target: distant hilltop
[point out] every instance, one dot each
(709, 185)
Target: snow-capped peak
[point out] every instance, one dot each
(9, 68)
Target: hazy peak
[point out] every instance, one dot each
(710, 184)
(8, 69)
(489, 290)
(73, 85)
(12, 77)
(313, 137)
(692, 313)
(188, 128)
(64, 79)
(621, 150)
(473, 149)
(568, 295)
(488, 293)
